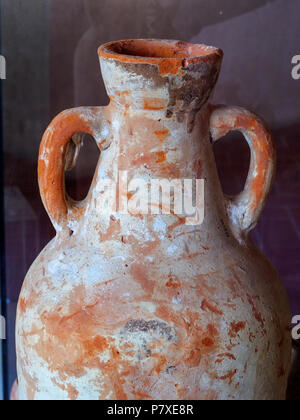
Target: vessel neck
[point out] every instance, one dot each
(154, 144)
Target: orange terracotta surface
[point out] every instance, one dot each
(124, 306)
(170, 57)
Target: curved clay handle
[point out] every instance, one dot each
(245, 209)
(52, 156)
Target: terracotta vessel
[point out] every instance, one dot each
(130, 306)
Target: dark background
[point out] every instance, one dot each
(52, 64)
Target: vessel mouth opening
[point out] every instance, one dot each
(156, 49)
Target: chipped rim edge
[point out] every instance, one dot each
(104, 51)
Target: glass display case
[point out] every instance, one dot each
(50, 51)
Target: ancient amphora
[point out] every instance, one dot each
(147, 306)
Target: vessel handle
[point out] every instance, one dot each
(52, 161)
(244, 210)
